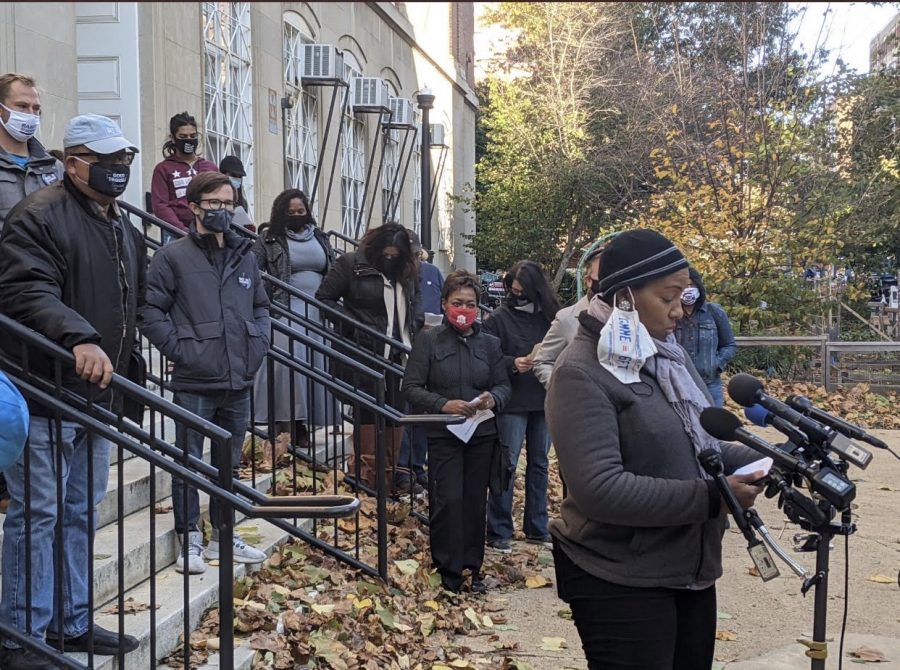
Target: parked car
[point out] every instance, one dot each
(493, 292)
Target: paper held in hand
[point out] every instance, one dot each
(465, 430)
(534, 352)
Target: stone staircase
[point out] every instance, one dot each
(136, 570)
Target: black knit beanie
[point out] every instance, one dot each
(636, 257)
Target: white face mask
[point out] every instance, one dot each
(690, 295)
(624, 345)
(21, 126)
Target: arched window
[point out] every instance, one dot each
(390, 213)
(301, 122)
(353, 138)
(227, 85)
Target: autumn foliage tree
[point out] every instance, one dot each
(701, 120)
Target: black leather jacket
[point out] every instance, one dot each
(445, 365)
(74, 277)
(360, 286)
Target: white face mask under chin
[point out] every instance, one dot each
(625, 345)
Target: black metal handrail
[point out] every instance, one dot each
(98, 420)
(334, 315)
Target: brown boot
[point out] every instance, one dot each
(364, 449)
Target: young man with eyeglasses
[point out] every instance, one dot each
(208, 312)
(73, 270)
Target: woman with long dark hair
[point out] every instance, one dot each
(521, 323)
(378, 286)
(181, 163)
(293, 249)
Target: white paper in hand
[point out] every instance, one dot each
(762, 464)
(464, 431)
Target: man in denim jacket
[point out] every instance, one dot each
(704, 331)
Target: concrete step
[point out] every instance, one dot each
(169, 619)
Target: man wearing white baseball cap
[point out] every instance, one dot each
(73, 270)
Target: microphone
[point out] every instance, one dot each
(711, 460)
(851, 430)
(831, 485)
(747, 390)
(760, 416)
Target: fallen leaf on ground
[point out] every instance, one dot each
(131, 606)
(162, 508)
(880, 579)
(868, 655)
(753, 571)
(723, 615)
(553, 643)
(726, 636)
(565, 614)
(536, 582)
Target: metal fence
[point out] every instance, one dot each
(817, 360)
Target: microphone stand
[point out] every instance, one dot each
(817, 519)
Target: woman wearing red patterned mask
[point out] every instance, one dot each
(457, 368)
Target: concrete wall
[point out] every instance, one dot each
(411, 45)
(44, 49)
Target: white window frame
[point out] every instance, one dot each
(301, 120)
(353, 140)
(417, 178)
(390, 166)
(228, 86)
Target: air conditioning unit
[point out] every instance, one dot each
(370, 94)
(322, 62)
(402, 114)
(438, 134)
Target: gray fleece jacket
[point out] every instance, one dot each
(638, 511)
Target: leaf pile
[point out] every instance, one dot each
(858, 405)
(304, 609)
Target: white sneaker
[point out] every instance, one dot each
(243, 552)
(195, 554)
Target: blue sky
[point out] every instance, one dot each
(847, 28)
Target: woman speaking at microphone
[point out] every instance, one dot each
(639, 543)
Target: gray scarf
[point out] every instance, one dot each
(682, 392)
(676, 382)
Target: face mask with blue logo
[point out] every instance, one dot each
(625, 344)
(217, 220)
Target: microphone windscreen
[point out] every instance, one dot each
(758, 415)
(720, 423)
(744, 389)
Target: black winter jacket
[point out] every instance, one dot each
(72, 276)
(214, 327)
(519, 331)
(445, 365)
(353, 279)
(273, 258)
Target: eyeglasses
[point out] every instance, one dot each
(216, 204)
(107, 159)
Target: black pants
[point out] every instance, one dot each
(458, 485)
(623, 627)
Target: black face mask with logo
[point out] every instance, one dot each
(187, 147)
(217, 220)
(109, 180)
